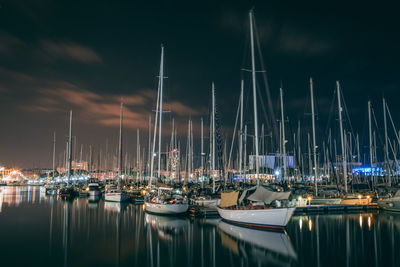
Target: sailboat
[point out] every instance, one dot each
(112, 192)
(265, 208)
(68, 190)
(210, 200)
(165, 202)
(390, 204)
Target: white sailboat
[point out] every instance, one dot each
(162, 203)
(263, 215)
(167, 204)
(115, 193)
(260, 213)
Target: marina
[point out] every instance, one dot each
(224, 136)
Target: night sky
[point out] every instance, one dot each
(88, 55)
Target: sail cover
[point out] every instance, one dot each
(267, 196)
(229, 199)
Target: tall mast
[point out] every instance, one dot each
(69, 147)
(161, 108)
(241, 129)
(245, 150)
(283, 136)
(120, 145)
(341, 137)
(202, 152)
(189, 161)
(386, 145)
(371, 148)
(314, 143)
(137, 156)
(149, 152)
(253, 72)
(54, 154)
(213, 136)
(299, 150)
(156, 120)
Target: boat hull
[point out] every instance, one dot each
(166, 209)
(390, 204)
(273, 219)
(115, 197)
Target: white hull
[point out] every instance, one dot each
(116, 197)
(167, 209)
(264, 218)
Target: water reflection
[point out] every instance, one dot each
(166, 226)
(47, 231)
(265, 245)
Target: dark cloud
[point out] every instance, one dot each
(70, 51)
(8, 43)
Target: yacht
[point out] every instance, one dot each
(115, 194)
(390, 204)
(166, 203)
(94, 189)
(264, 209)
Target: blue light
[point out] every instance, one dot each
(367, 171)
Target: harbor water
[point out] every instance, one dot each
(39, 230)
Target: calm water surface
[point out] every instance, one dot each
(36, 230)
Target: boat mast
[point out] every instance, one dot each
(120, 146)
(241, 129)
(137, 156)
(341, 138)
(202, 153)
(314, 142)
(161, 108)
(54, 153)
(283, 135)
(213, 135)
(300, 170)
(253, 72)
(156, 121)
(245, 150)
(149, 148)
(371, 149)
(386, 145)
(69, 147)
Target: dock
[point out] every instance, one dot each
(206, 212)
(334, 208)
(203, 212)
